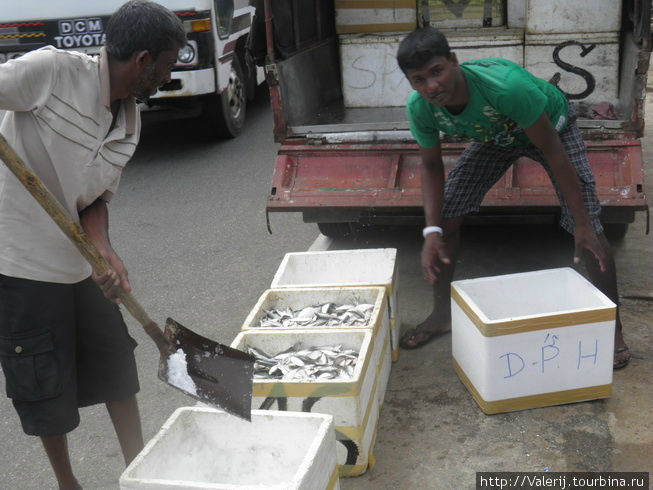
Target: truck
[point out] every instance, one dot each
(346, 157)
(212, 79)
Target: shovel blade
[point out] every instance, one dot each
(222, 375)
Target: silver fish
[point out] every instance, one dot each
(356, 314)
(313, 363)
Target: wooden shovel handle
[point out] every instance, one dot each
(76, 235)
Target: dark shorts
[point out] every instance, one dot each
(62, 346)
(481, 165)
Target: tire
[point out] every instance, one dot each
(225, 112)
(615, 231)
(337, 230)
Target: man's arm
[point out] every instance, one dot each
(546, 139)
(95, 222)
(433, 249)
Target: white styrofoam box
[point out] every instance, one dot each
(346, 400)
(516, 11)
(353, 16)
(201, 447)
(354, 450)
(371, 76)
(385, 366)
(394, 339)
(487, 43)
(298, 298)
(358, 267)
(587, 64)
(549, 16)
(352, 403)
(532, 339)
(471, 13)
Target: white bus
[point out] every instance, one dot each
(212, 79)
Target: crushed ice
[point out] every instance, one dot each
(178, 373)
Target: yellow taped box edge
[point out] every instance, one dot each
(533, 401)
(543, 322)
(333, 480)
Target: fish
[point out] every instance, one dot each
(305, 364)
(356, 314)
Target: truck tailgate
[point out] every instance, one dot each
(367, 176)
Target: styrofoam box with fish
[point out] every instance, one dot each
(585, 66)
(385, 366)
(371, 76)
(358, 267)
(353, 402)
(314, 300)
(532, 339)
(200, 447)
(292, 308)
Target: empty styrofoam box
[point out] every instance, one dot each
(299, 298)
(207, 448)
(532, 339)
(353, 403)
(359, 267)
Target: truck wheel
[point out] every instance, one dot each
(615, 231)
(225, 112)
(337, 230)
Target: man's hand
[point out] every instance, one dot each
(433, 252)
(585, 239)
(95, 223)
(115, 279)
(547, 140)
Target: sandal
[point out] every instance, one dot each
(415, 337)
(624, 361)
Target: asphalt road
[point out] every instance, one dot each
(189, 222)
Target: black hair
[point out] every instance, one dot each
(421, 46)
(141, 25)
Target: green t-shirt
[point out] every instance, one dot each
(503, 99)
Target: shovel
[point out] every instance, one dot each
(211, 372)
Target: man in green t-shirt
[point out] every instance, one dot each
(507, 113)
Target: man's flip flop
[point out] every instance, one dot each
(624, 362)
(415, 337)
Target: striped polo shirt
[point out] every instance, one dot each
(58, 122)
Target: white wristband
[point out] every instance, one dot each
(431, 229)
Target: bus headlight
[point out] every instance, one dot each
(187, 53)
